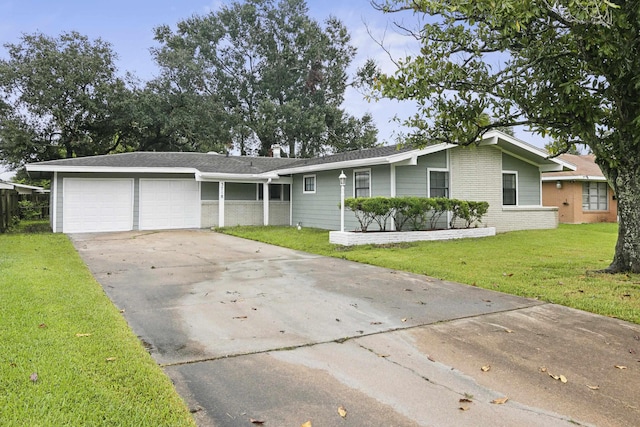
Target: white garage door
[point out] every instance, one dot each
(169, 203)
(91, 205)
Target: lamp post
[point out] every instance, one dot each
(343, 181)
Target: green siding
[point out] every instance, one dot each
(412, 180)
(528, 180)
(321, 209)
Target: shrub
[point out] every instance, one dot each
(418, 212)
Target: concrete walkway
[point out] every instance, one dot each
(252, 331)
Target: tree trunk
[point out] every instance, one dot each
(627, 188)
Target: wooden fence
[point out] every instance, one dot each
(8, 208)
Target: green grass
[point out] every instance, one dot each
(47, 297)
(551, 265)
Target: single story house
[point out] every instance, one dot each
(157, 190)
(582, 195)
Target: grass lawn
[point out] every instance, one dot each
(68, 357)
(550, 265)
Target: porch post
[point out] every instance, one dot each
(221, 204)
(393, 191)
(265, 202)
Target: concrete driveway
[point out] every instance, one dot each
(249, 331)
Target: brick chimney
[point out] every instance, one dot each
(275, 151)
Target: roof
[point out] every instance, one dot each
(586, 169)
(22, 188)
(213, 166)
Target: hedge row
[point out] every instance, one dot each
(415, 213)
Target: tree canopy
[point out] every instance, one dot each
(565, 69)
(277, 75)
(60, 97)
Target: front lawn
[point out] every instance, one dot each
(67, 355)
(550, 265)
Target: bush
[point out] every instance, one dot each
(418, 213)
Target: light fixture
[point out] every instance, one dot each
(558, 184)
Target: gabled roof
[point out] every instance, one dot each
(22, 188)
(586, 169)
(211, 166)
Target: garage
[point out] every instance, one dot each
(93, 205)
(169, 203)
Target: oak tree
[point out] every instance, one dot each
(566, 69)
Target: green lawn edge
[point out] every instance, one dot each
(555, 265)
(68, 355)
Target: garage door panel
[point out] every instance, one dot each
(92, 204)
(168, 203)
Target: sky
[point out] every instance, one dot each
(128, 27)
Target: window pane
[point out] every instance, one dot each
(309, 183)
(362, 186)
(594, 196)
(438, 184)
(509, 189)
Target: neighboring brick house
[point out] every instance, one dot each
(144, 191)
(583, 195)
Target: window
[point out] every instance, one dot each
(275, 191)
(309, 184)
(509, 188)
(362, 183)
(438, 184)
(594, 196)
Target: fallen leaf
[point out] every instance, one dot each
(632, 351)
(83, 335)
(465, 400)
(253, 421)
(122, 311)
(563, 379)
(543, 369)
(593, 387)
(509, 331)
(486, 368)
(464, 408)
(431, 358)
(42, 325)
(307, 424)
(500, 401)
(404, 319)
(408, 290)
(620, 366)
(110, 359)
(555, 377)
(239, 317)
(342, 412)
(33, 377)
(375, 323)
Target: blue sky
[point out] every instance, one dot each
(128, 26)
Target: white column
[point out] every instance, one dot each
(393, 191)
(221, 204)
(265, 200)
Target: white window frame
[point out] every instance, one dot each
(504, 172)
(355, 171)
(429, 170)
(304, 182)
(606, 196)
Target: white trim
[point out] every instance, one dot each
(54, 203)
(368, 170)
(290, 204)
(315, 184)
(509, 172)
(574, 178)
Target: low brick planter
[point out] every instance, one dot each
(349, 238)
